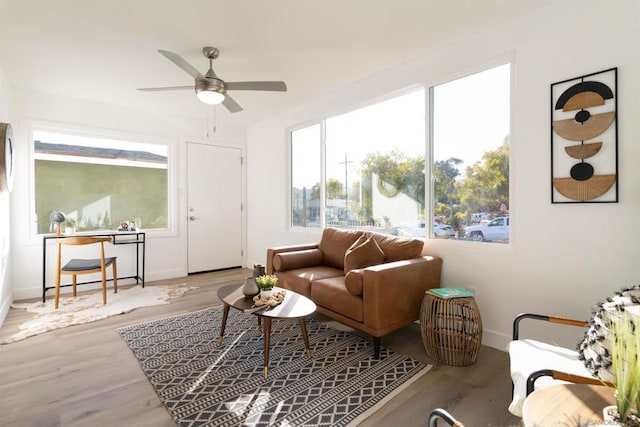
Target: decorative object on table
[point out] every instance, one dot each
(260, 301)
(625, 347)
(7, 161)
(340, 385)
(451, 329)
(57, 218)
(584, 139)
(451, 292)
(266, 283)
(69, 226)
(258, 270)
(249, 288)
(124, 226)
(610, 349)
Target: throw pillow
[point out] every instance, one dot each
(594, 347)
(362, 253)
(353, 281)
(297, 259)
(397, 248)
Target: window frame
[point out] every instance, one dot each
(506, 59)
(322, 122)
(77, 130)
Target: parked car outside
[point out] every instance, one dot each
(444, 231)
(496, 229)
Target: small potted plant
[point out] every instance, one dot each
(266, 283)
(625, 347)
(69, 226)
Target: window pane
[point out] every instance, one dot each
(99, 183)
(305, 177)
(470, 142)
(374, 175)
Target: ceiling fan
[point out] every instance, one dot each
(209, 88)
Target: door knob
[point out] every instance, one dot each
(193, 218)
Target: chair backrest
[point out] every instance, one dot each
(78, 241)
(82, 240)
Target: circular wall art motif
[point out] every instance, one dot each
(6, 157)
(583, 109)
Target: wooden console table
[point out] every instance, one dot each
(567, 404)
(137, 238)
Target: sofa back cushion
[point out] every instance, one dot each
(398, 248)
(363, 253)
(334, 245)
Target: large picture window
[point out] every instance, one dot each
(469, 138)
(99, 183)
(368, 174)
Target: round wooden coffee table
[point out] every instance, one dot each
(294, 306)
(567, 404)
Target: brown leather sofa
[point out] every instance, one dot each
(369, 281)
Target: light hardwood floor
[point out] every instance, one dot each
(87, 376)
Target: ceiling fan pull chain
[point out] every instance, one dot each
(211, 111)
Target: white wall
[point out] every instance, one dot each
(562, 258)
(5, 227)
(166, 253)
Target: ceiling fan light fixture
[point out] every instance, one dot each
(210, 90)
(210, 97)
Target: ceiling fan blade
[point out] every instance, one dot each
(272, 86)
(157, 89)
(177, 59)
(231, 104)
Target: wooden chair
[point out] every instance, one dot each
(85, 266)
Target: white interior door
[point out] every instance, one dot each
(214, 207)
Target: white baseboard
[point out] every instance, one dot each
(495, 339)
(4, 309)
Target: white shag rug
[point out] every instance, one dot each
(89, 308)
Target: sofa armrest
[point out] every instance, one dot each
(392, 293)
(271, 252)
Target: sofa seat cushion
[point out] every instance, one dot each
(363, 253)
(332, 294)
(334, 245)
(297, 259)
(299, 280)
(398, 248)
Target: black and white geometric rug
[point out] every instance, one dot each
(202, 383)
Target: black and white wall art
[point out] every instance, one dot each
(584, 139)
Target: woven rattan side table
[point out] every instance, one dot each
(451, 329)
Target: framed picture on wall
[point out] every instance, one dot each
(584, 139)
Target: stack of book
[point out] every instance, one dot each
(450, 292)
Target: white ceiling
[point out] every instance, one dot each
(104, 50)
